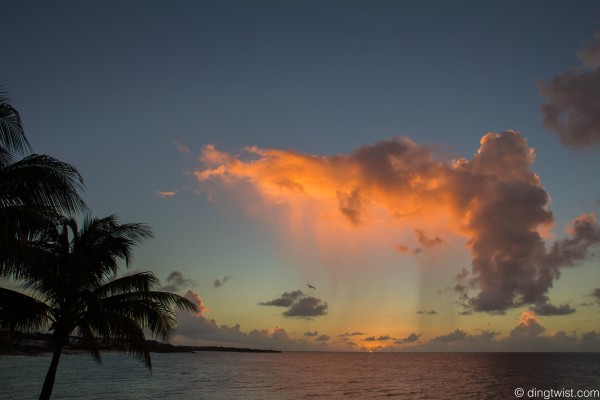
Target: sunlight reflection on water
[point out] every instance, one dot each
(297, 375)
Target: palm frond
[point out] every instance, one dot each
(127, 334)
(26, 235)
(138, 282)
(153, 310)
(41, 180)
(12, 136)
(90, 340)
(21, 312)
(105, 242)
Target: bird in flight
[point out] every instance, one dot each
(310, 286)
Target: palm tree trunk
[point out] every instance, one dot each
(51, 374)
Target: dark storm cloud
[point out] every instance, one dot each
(285, 300)
(507, 204)
(572, 108)
(220, 282)
(177, 282)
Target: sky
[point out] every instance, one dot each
(429, 168)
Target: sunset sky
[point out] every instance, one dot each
(430, 168)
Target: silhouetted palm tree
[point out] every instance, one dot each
(33, 190)
(73, 286)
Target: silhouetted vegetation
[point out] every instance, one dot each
(36, 343)
(68, 275)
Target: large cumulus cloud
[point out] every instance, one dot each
(493, 198)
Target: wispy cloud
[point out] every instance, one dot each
(350, 334)
(177, 282)
(381, 338)
(165, 194)
(220, 282)
(183, 149)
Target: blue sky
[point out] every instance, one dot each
(120, 89)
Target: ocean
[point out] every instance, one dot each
(309, 375)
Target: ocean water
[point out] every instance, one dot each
(299, 375)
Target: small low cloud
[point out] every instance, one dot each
(165, 194)
(529, 327)
(323, 338)
(285, 300)
(428, 242)
(412, 338)
(299, 305)
(451, 337)
(220, 282)
(425, 242)
(197, 329)
(572, 108)
(427, 312)
(382, 338)
(528, 335)
(176, 282)
(596, 295)
(307, 307)
(311, 334)
(350, 334)
(403, 249)
(548, 309)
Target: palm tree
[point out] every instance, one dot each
(72, 285)
(33, 190)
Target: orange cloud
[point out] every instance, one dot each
(396, 188)
(528, 317)
(162, 195)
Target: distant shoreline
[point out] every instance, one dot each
(153, 347)
(158, 347)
